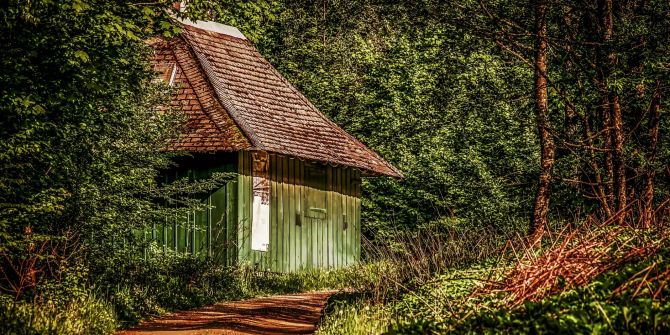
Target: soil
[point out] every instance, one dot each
(286, 314)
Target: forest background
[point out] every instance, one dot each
(507, 120)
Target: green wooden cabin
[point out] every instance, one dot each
(295, 203)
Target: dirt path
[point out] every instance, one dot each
(286, 314)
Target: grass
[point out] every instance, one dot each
(598, 279)
(83, 315)
(148, 288)
(359, 317)
(602, 279)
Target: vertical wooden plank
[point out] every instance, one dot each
(316, 225)
(349, 233)
(166, 223)
(242, 203)
(357, 225)
(175, 228)
(342, 212)
(336, 217)
(223, 238)
(304, 229)
(165, 235)
(190, 223)
(329, 218)
(192, 232)
(249, 209)
(199, 233)
(280, 215)
(248, 189)
(340, 218)
(208, 226)
(286, 226)
(354, 231)
(295, 221)
(296, 213)
(291, 211)
(217, 225)
(240, 207)
(272, 250)
(228, 224)
(184, 232)
(175, 233)
(232, 216)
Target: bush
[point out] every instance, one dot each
(166, 280)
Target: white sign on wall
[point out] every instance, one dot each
(260, 226)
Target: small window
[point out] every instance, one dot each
(173, 75)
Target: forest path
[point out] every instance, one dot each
(284, 314)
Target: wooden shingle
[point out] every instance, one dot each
(236, 100)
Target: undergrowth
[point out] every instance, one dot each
(602, 279)
(139, 288)
(79, 316)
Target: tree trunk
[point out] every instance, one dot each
(542, 197)
(613, 111)
(619, 162)
(607, 145)
(650, 173)
(599, 189)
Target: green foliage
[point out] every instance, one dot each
(628, 299)
(82, 315)
(165, 281)
(81, 135)
(256, 19)
(599, 307)
(83, 131)
(624, 300)
(357, 317)
(433, 100)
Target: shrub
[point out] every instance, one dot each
(164, 281)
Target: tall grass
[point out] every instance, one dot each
(587, 277)
(359, 317)
(413, 258)
(82, 315)
(399, 267)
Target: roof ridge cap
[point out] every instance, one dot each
(215, 27)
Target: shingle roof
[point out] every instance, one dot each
(208, 127)
(236, 100)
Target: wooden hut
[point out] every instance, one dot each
(296, 201)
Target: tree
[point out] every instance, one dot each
(542, 196)
(431, 98)
(82, 133)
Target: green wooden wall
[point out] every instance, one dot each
(210, 233)
(314, 215)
